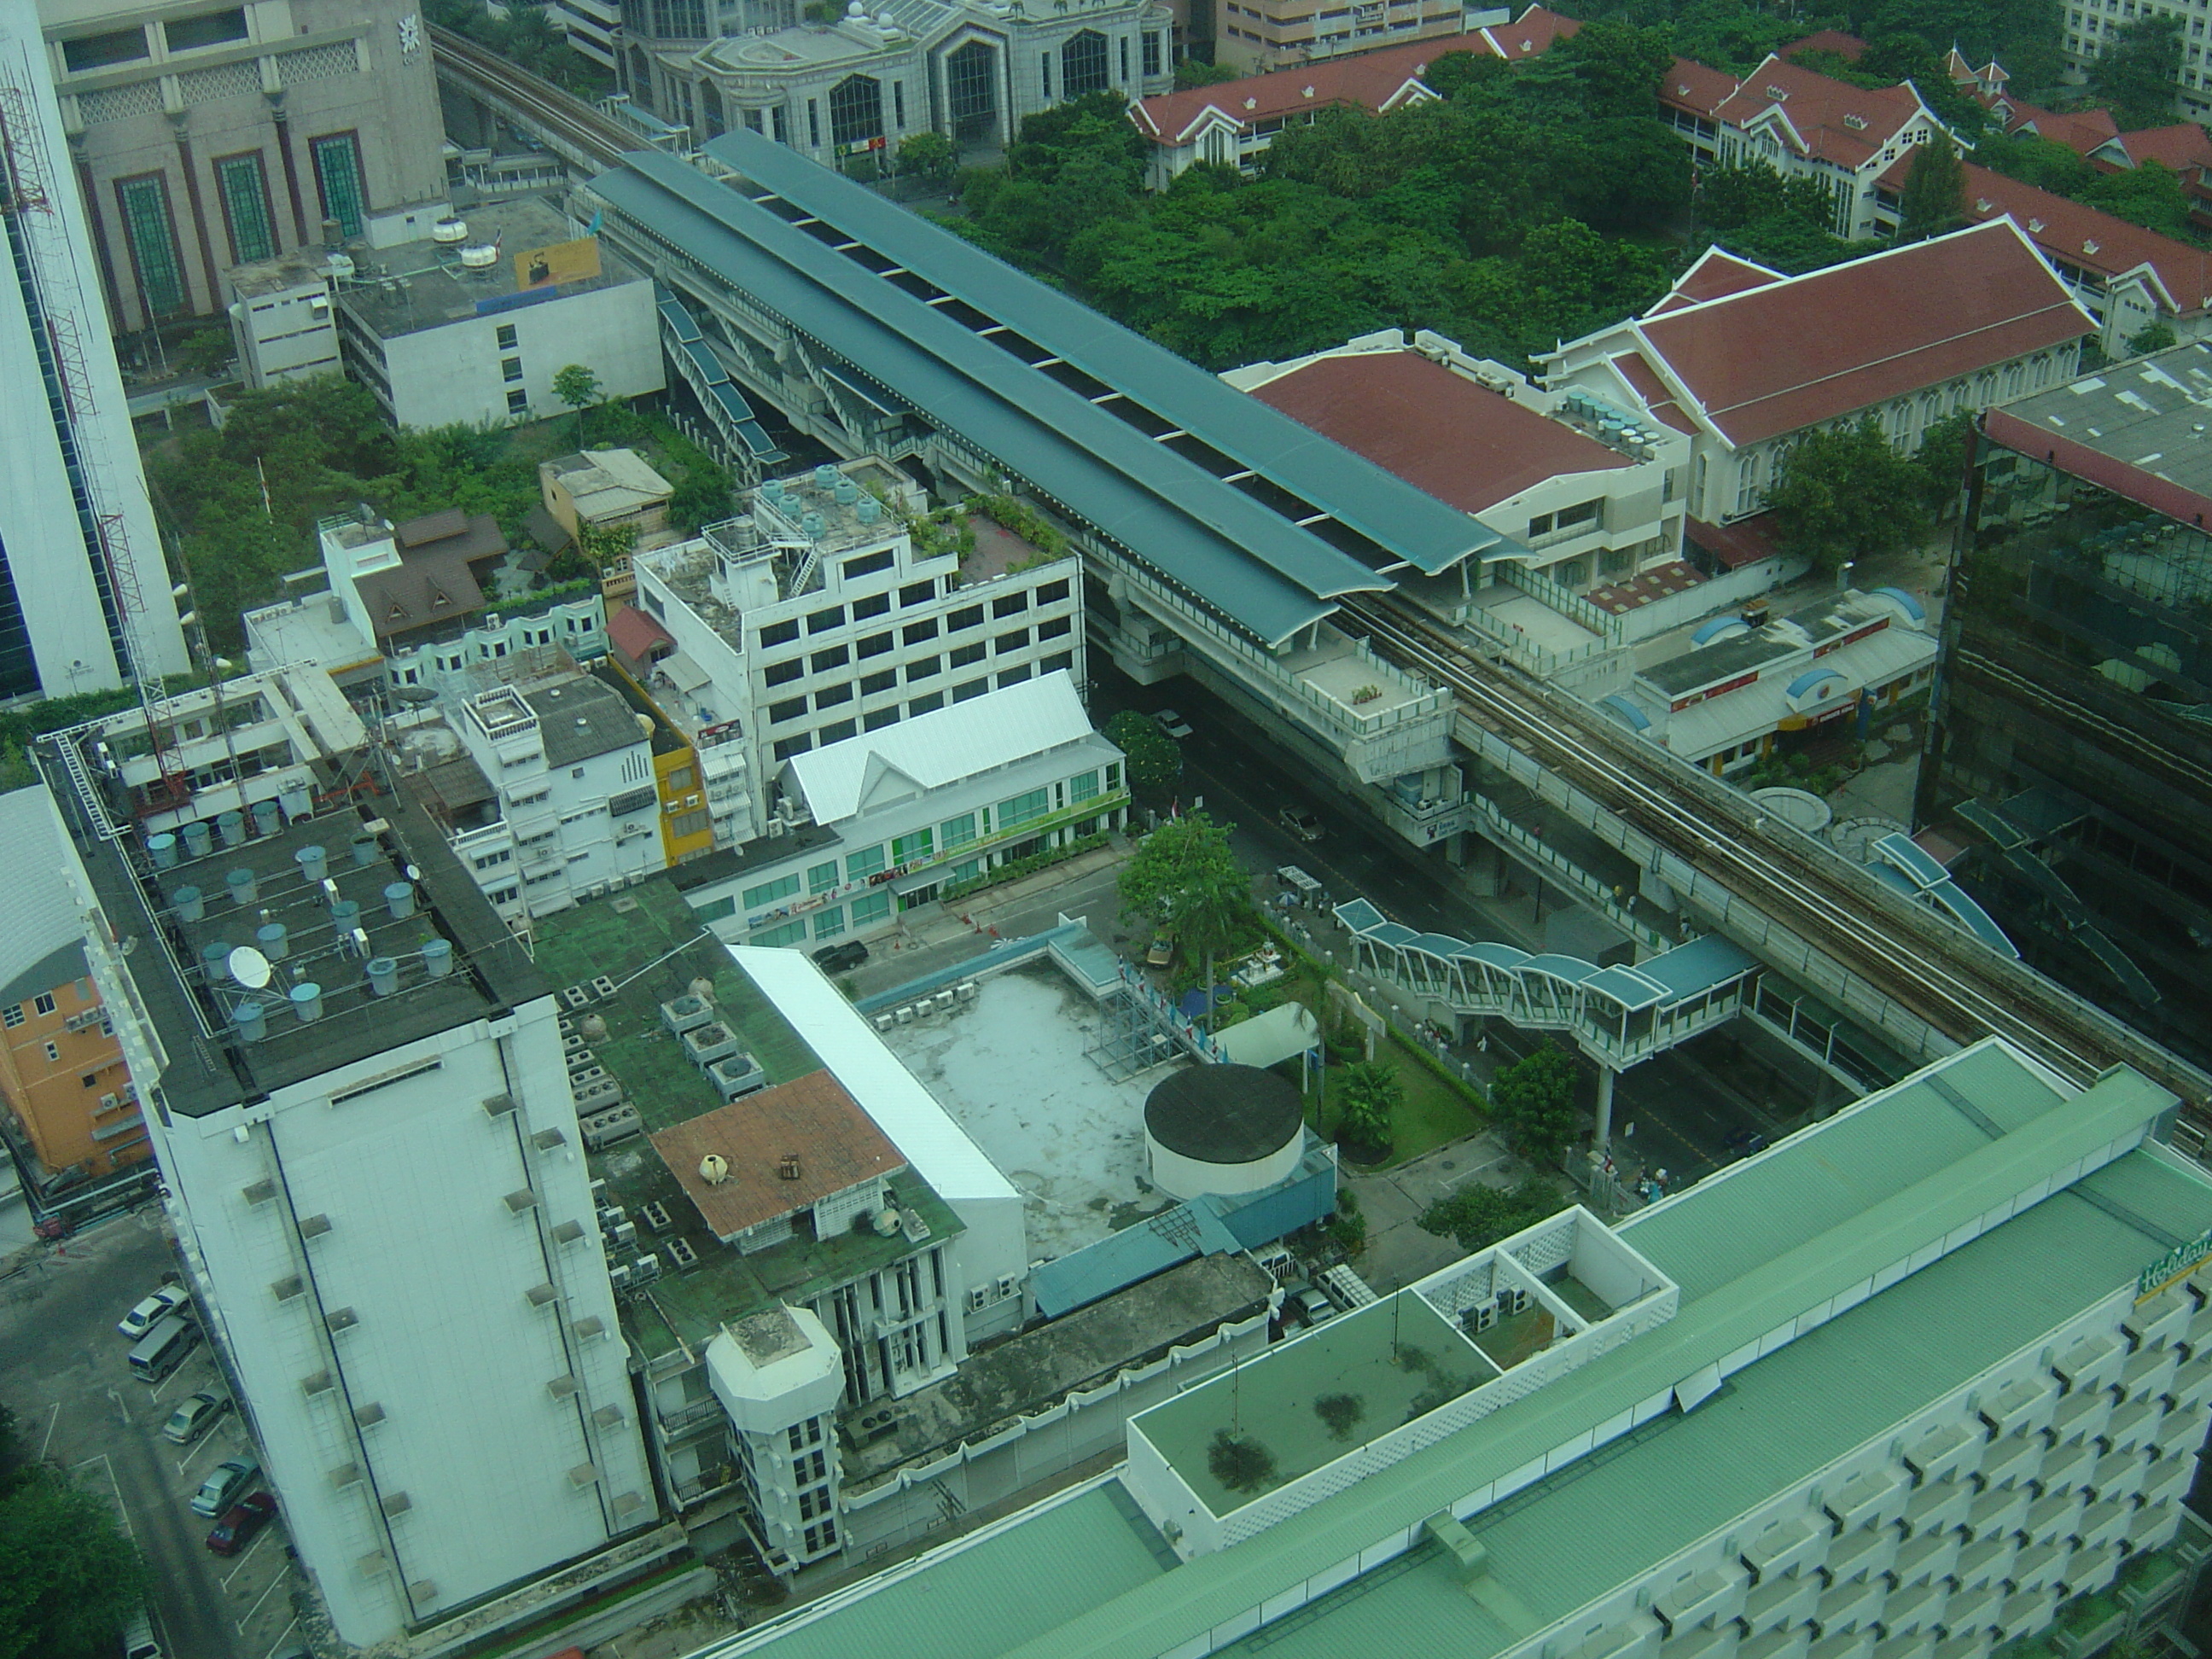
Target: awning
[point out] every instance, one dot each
(685, 674)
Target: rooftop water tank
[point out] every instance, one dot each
(481, 257)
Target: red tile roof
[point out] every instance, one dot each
(2180, 147)
(2081, 130)
(1846, 46)
(2094, 240)
(1531, 34)
(1818, 347)
(1832, 120)
(1653, 390)
(1437, 431)
(1372, 80)
(1618, 598)
(1716, 272)
(1689, 85)
(1733, 546)
(811, 1120)
(635, 635)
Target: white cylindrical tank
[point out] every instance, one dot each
(1223, 1129)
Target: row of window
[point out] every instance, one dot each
(832, 617)
(875, 720)
(242, 189)
(922, 668)
(93, 52)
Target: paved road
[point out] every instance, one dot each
(63, 1370)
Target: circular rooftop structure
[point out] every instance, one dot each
(1801, 807)
(1222, 1129)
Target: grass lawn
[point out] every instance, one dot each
(1432, 1112)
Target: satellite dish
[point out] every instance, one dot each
(249, 967)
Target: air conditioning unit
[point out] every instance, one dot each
(646, 1269)
(977, 1298)
(1008, 1285)
(1514, 1300)
(1481, 1317)
(107, 1103)
(884, 1021)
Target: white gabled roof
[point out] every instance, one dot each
(942, 747)
(924, 1132)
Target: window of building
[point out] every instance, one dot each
(214, 29)
(1124, 44)
(971, 88)
(972, 616)
(789, 709)
(957, 832)
(864, 863)
(769, 892)
(875, 644)
(243, 187)
(1053, 627)
(506, 337)
(786, 747)
(151, 233)
(898, 105)
(782, 673)
(824, 622)
(1113, 776)
(867, 564)
(783, 632)
(53, 1051)
(506, 895)
(92, 52)
(12, 1015)
(830, 695)
(510, 369)
(835, 657)
(828, 923)
(856, 110)
(815, 1500)
(1082, 788)
(1053, 592)
(43, 1003)
(492, 861)
(914, 633)
(965, 654)
(337, 176)
(875, 604)
(820, 878)
(684, 824)
(1031, 804)
(973, 689)
(871, 684)
(791, 933)
(813, 125)
(836, 732)
(1013, 676)
(873, 907)
(877, 719)
(928, 703)
(1015, 641)
(922, 668)
(1011, 604)
(916, 844)
(918, 593)
(1151, 59)
(1082, 65)
(517, 402)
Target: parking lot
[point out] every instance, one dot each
(63, 1371)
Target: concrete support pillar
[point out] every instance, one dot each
(1484, 867)
(1604, 1135)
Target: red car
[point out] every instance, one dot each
(240, 1523)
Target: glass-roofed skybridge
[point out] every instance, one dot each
(1220, 535)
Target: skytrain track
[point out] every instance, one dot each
(596, 136)
(1917, 959)
(1944, 975)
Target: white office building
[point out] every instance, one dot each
(817, 617)
(375, 1175)
(84, 595)
(915, 808)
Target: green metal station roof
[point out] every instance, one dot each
(1212, 540)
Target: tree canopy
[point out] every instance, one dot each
(1369, 1096)
(1934, 199)
(68, 1576)
(2138, 70)
(1476, 1217)
(1154, 760)
(1843, 493)
(1532, 1103)
(1185, 875)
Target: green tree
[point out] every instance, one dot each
(1369, 1096)
(2151, 195)
(1844, 492)
(1942, 458)
(2137, 72)
(578, 387)
(2042, 163)
(1532, 1103)
(929, 157)
(1153, 759)
(1476, 1217)
(1191, 73)
(68, 1577)
(2156, 335)
(1185, 874)
(702, 497)
(1934, 199)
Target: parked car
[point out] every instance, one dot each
(166, 1301)
(1161, 950)
(235, 1530)
(836, 958)
(194, 1416)
(1171, 723)
(221, 1489)
(1314, 1305)
(1744, 1142)
(1300, 822)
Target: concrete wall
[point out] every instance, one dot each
(439, 376)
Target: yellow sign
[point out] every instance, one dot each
(562, 262)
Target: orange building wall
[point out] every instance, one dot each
(57, 1107)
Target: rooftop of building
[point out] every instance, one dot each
(39, 920)
(1828, 622)
(646, 942)
(2135, 427)
(1695, 87)
(296, 268)
(1714, 275)
(1824, 117)
(1458, 440)
(1079, 1350)
(607, 483)
(413, 286)
(2073, 233)
(775, 1152)
(933, 750)
(1075, 404)
(1969, 1170)
(382, 852)
(580, 717)
(1791, 353)
(2183, 146)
